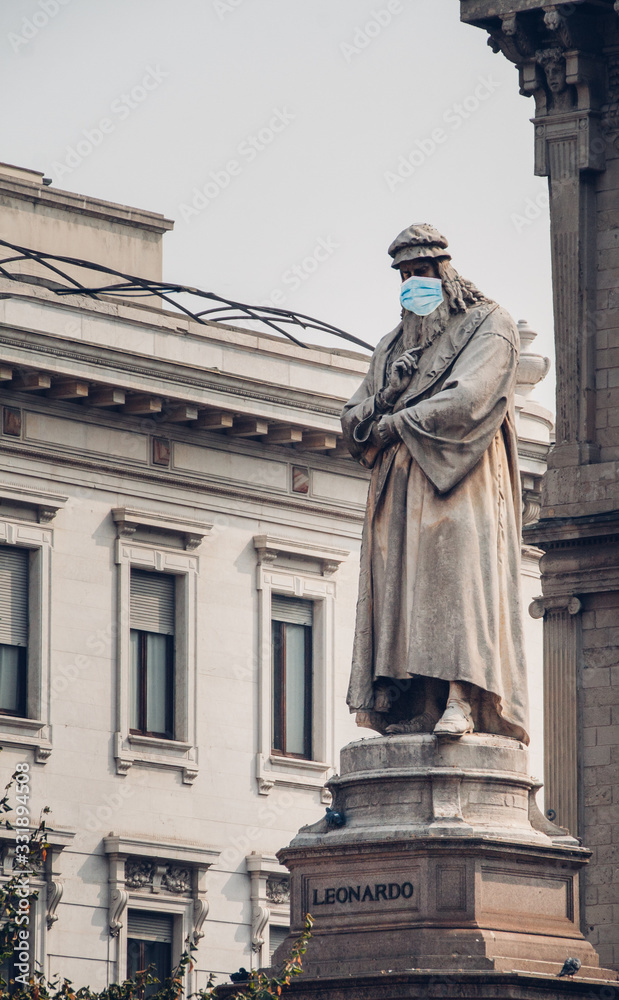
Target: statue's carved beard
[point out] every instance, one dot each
(459, 294)
(420, 330)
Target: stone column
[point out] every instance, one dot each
(562, 710)
(567, 56)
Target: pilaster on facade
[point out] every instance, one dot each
(562, 707)
(270, 903)
(48, 884)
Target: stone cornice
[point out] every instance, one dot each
(242, 492)
(173, 374)
(155, 320)
(173, 850)
(571, 531)
(44, 503)
(67, 201)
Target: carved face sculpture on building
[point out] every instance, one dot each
(555, 76)
(552, 62)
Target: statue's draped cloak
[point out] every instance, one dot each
(439, 592)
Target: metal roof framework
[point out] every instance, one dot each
(118, 284)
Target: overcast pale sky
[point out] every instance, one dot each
(291, 140)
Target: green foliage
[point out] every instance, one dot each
(18, 893)
(260, 986)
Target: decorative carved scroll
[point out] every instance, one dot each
(54, 895)
(118, 904)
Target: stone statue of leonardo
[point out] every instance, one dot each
(438, 639)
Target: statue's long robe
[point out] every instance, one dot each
(439, 592)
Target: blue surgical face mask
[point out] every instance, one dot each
(421, 295)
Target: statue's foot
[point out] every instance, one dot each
(382, 699)
(456, 720)
(423, 723)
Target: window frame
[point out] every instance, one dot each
(179, 752)
(22, 668)
(169, 699)
(173, 958)
(189, 911)
(278, 652)
(299, 569)
(33, 729)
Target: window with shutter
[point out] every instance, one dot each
(277, 936)
(152, 653)
(291, 624)
(149, 943)
(13, 630)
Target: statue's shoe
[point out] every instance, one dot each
(456, 720)
(423, 723)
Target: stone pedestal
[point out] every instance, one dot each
(443, 863)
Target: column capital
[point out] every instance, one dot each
(556, 47)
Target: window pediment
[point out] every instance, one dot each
(128, 520)
(272, 547)
(41, 503)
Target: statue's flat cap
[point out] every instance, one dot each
(419, 240)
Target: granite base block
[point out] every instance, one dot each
(443, 863)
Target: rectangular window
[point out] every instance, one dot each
(149, 943)
(152, 653)
(291, 620)
(13, 630)
(277, 935)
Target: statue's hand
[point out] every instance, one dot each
(401, 374)
(384, 432)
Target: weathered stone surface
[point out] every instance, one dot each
(566, 55)
(459, 985)
(443, 862)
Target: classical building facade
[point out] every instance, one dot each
(179, 538)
